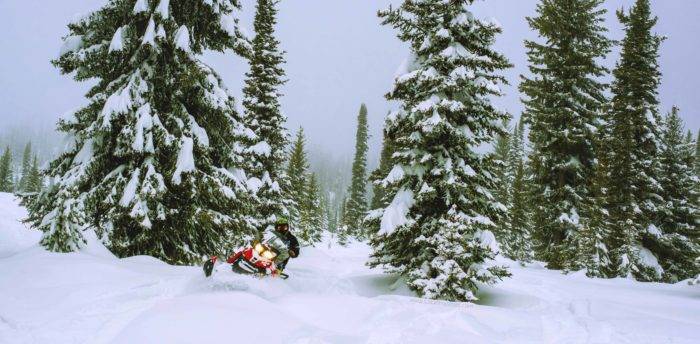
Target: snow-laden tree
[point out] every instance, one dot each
(516, 241)
(676, 242)
(312, 223)
(153, 163)
(632, 144)
(588, 247)
(697, 155)
(356, 208)
(6, 175)
(34, 182)
(379, 199)
(503, 171)
(297, 170)
(563, 101)
(26, 168)
(436, 231)
(263, 116)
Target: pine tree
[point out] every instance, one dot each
(633, 143)
(517, 242)
(26, 167)
(343, 229)
(677, 241)
(379, 199)
(34, 179)
(502, 152)
(311, 222)
(563, 100)
(155, 167)
(357, 203)
(697, 154)
(263, 116)
(589, 246)
(6, 175)
(437, 230)
(297, 170)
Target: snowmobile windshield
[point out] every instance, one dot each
(265, 251)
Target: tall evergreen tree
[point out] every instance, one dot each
(502, 151)
(677, 242)
(297, 170)
(26, 167)
(697, 154)
(311, 221)
(379, 199)
(357, 203)
(155, 167)
(34, 179)
(588, 248)
(437, 230)
(6, 175)
(634, 198)
(563, 100)
(263, 116)
(517, 242)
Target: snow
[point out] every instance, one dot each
(395, 214)
(130, 189)
(71, 44)
(117, 43)
(182, 39)
(141, 6)
(13, 236)
(648, 259)
(150, 35)
(185, 159)
(261, 148)
(164, 9)
(331, 297)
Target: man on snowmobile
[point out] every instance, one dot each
(284, 242)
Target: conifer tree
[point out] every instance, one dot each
(26, 167)
(437, 230)
(517, 242)
(634, 197)
(697, 154)
(6, 175)
(343, 229)
(297, 170)
(357, 203)
(379, 199)
(263, 116)
(34, 179)
(677, 242)
(589, 246)
(155, 166)
(563, 100)
(502, 151)
(311, 222)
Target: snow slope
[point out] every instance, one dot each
(93, 297)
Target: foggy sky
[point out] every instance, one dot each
(338, 54)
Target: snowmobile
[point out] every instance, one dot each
(257, 260)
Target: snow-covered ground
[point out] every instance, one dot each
(331, 297)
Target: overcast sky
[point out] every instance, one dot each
(338, 57)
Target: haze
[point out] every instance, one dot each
(338, 54)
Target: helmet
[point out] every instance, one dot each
(281, 220)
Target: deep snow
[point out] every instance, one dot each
(331, 297)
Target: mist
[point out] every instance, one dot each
(338, 56)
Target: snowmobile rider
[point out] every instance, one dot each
(291, 248)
